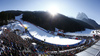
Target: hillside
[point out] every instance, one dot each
(83, 17)
(45, 20)
(4, 17)
(49, 22)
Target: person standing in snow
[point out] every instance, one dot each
(26, 30)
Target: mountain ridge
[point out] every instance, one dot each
(83, 17)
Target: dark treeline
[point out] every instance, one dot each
(14, 12)
(4, 17)
(49, 22)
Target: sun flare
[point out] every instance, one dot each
(53, 10)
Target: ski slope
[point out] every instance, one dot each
(39, 34)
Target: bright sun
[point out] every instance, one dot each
(53, 10)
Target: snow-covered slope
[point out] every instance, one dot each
(87, 32)
(39, 34)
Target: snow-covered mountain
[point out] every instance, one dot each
(83, 17)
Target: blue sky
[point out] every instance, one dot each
(66, 7)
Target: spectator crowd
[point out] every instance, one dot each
(13, 45)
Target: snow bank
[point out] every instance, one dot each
(87, 32)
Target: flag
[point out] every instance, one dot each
(67, 45)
